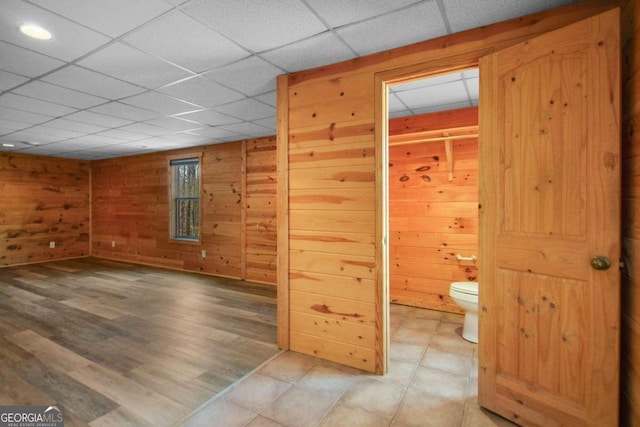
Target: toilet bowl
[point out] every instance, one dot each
(465, 294)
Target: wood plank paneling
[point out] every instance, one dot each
(238, 231)
(331, 205)
(43, 199)
(429, 214)
(261, 220)
(630, 348)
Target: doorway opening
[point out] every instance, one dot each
(429, 195)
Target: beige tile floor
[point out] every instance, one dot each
(432, 381)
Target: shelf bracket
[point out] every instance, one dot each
(448, 148)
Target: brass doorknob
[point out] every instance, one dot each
(600, 262)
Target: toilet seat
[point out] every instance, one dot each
(469, 288)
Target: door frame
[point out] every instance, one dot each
(383, 80)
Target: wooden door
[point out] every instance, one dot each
(550, 202)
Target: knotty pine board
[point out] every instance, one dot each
(43, 199)
(428, 214)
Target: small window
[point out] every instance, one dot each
(185, 199)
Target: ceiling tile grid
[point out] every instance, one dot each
(123, 77)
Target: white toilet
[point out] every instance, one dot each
(465, 294)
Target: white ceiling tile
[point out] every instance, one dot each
(11, 125)
(97, 119)
(186, 42)
(424, 83)
(248, 129)
(267, 98)
(59, 95)
(464, 14)
(33, 138)
(58, 133)
(160, 103)
(319, 50)
(209, 117)
(158, 143)
(269, 122)
(131, 65)
(95, 140)
(442, 107)
(112, 17)
(74, 77)
(75, 125)
(214, 133)
(251, 76)
(116, 150)
(42, 150)
(25, 62)
(122, 135)
(340, 12)
(395, 104)
(32, 105)
(434, 95)
(145, 129)
(184, 137)
(9, 80)
(201, 91)
(472, 73)
(23, 116)
(74, 144)
(69, 41)
(473, 85)
(125, 111)
(420, 22)
(174, 124)
(258, 25)
(247, 109)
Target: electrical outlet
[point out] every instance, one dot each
(204, 253)
(113, 243)
(52, 244)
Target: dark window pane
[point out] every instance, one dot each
(186, 189)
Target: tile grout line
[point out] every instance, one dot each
(413, 375)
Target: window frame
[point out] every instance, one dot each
(172, 162)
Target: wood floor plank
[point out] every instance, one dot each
(120, 344)
(147, 404)
(48, 352)
(85, 401)
(120, 417)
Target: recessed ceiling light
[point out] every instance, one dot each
(35, 31)
(8, 145)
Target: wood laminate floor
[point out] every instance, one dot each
(118, 344)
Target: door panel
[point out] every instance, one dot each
(549, 202)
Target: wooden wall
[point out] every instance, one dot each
(331, 222)
(130, 211)
(43, 200)
(630, 351)
(261, 222)
(330, 272)
(431, 218)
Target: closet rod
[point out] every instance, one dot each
(438, 138)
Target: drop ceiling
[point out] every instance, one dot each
(123, 77)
